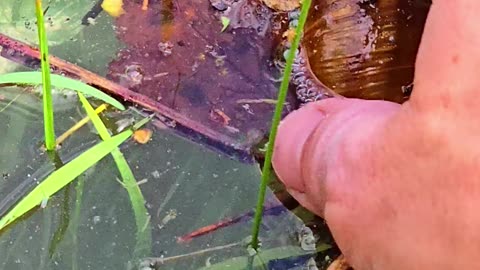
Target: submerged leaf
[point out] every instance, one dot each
(142, 136)
(225, 22)
(144, 236)
(35, 78)
(63, 176)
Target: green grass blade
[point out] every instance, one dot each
(76, 221)
(142, 122)
(61, 82)
(97, 122)
(276, 121)
(61, 177)
(47, 89)
(144, 235)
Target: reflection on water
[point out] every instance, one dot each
(90, 223)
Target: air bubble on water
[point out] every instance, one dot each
(156, 174)
(96, 219)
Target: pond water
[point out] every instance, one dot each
(90, 224)
(93, 223)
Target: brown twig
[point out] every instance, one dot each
(29, 56)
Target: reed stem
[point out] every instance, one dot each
(267, 166)
(46, 85)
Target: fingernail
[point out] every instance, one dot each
(292, 136)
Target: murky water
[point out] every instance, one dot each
(91, 225)
(176, 55)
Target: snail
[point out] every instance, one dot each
(359, 49)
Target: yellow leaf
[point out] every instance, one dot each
(113, 7)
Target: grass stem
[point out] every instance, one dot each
(46, 85)
(275, 122)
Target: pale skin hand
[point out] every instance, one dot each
(399, 186)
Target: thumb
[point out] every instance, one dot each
(314, 143)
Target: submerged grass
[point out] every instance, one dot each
(61, 177)
(276, 121)
(78, 125)
(76, 220)
(47, 89)
(142, 218)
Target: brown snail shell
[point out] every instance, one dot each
(359, 49)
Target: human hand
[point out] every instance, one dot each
(399, 185)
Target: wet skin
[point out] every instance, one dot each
(399, 184)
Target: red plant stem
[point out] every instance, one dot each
(29, 56)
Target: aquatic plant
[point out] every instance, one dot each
(142, 218)
(61, 177)
(47, 89)
(282, 94)
(68, 172)
(59, 82)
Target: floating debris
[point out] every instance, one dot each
(96, 219)
(260, 100)
(142, 136)
(248, 109)
(134, 74)
(306, 239)
(270, 211)
(225, 22)
(219, 115)
(44, 202)
(339, 264)
(145, 5)
(113, 7)
(171, 215)
(282, 5)
(166, 48)
(122, 124)
(219, 5)
(156, 174)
